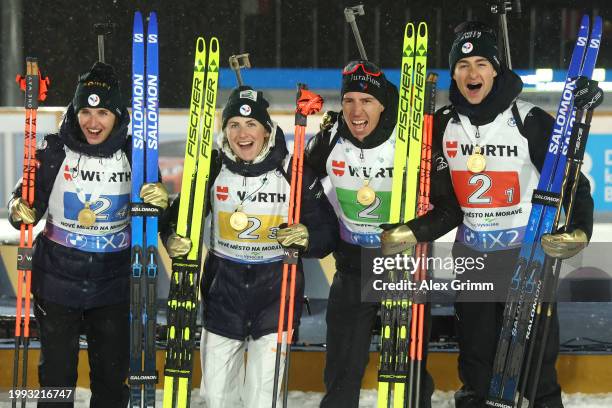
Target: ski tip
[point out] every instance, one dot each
(200, 44)
(152, 21)
(584, 23)
(422, 29)
(598, 23)
(409, 30)
(214, 45)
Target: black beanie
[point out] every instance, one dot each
(246, 102)
(98, 88)
(474, 38)
(364, 76)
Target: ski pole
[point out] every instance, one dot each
(502, 8)
(35, 88)
(239, 61)
(349, 15)
(308, 103)
(422, 249)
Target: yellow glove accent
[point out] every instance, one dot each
(397, 240)
(155, 194)
(20, 211)
(328, 120)
(295, 235)
(177, 245)
(564, 245)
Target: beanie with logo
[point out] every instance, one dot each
(98, 88)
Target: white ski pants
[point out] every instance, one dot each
(228, 381)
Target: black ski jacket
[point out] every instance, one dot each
(70, 276)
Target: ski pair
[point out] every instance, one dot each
(402, 328)
(35, 88)
(183, 298)
(527, 282)
(575, 159)
(307, 103)
(143, 281)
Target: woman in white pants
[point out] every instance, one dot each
(249, 192)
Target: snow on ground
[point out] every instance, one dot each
(298, 399)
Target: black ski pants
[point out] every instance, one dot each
(349, 335)
(107, 331)
(478, 328)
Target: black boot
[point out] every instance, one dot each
(466, 398)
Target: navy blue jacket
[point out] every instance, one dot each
(70, 276)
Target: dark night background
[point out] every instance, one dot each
(60, 33)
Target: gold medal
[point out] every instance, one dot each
(86, 216)
(366, 195)
(476, 162)
(239, 220)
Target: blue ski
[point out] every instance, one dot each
(137, 224)
(526, 283)
(150, 314)
(143, 306)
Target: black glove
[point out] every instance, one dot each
(328, 120)
(588, 94)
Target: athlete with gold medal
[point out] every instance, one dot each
(355, 151)
(81, 261)
(249, 202)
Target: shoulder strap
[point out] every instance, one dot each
(517, 119)
(285, 167)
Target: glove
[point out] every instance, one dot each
(20, 211)
(564, 245)
(293, 236)
(329, 118)
(155, 194)
(177, 245)
(588, 95)
(396, 238)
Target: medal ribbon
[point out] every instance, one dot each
(350, 156)
(95, 194)
(476, 138)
